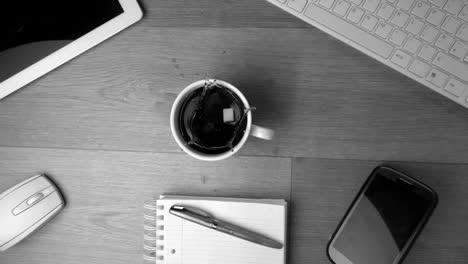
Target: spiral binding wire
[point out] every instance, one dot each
(153, 232)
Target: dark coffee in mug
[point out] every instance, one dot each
(212, 119)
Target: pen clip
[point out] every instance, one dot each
(191, 210)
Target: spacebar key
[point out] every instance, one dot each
(448, 64)
(349, 31)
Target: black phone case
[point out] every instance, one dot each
(418, 231)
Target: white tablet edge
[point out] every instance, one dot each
(132, 13)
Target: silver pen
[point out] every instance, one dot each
(202, 218)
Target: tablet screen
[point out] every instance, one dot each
(32, 30)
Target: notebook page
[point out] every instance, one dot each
(223, 199)
(189, 243)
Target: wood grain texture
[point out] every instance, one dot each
(323, 98)
(322, 190)
(105, 191)
(216, 14)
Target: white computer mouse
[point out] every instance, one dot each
(26, 207)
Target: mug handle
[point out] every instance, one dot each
(262, 132)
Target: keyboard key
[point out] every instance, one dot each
(435, 17)
(326, 3)
(349, 31)
(371, 5)
(451, 65)
(453, 6)
(369, 22)
(357, 2)
(421, 9)
(456, 87)
(400, 18)
(463, 32)
(450, 24)
(341, 7)
(427, 53)
(459, 50)
(429, 34)
(401, 58)
(437, 77)
(405, 4)
(464, 13)
(419, 68)
(438, 3)
(297, 5)
(398, 37)
(355, 15)
(383, 29)
(412, 45)
(385, 11)
(444, 41)
(414, 26)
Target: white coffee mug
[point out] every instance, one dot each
(251, 129)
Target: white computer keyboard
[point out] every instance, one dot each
(426, 40)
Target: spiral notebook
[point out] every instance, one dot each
(172, 240)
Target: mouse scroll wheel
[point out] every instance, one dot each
(34, 199)
(37, 197)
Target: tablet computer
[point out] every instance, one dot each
(38, 36)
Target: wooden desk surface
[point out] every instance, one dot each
(99, 126)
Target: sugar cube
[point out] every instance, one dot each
(228, 115)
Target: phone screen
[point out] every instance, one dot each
(381, 222)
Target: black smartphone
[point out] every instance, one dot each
(383, 221)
